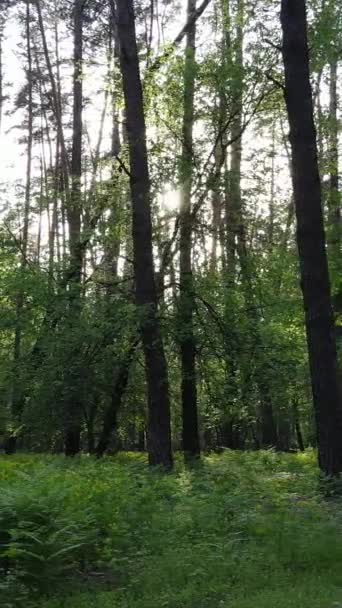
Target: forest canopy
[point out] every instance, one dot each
(170, 226)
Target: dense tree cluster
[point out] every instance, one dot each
(176, 201)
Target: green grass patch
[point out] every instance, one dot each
(241, 530)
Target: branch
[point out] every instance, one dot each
(276, 82)
(17, 243)
(196, 15)
(168, 254)
(277, 47)
(122, 165)
(215, 172)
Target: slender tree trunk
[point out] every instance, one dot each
(118, 390)
(334, 200)
(236, 86)
(272, 193)
(53, 228)
(73, 405)
(17, 399)
(320, 129)
(229, 200)
(56, 101)
(220, 158)
(115, 151)
(236, 231)
(298, 429)
(90, 416)
(311, 238)
(216, 207)
(269, 436)
(190, 436)
(218, 237)
(90, 436)
(159, 432)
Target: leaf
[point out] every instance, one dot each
(30, 554)
(64, 551)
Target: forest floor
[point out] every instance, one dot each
(241, 530)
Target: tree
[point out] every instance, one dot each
(73, 413)
(159, 433)
(17, 398)
(311, 243)
(213, 280)
(190, 436)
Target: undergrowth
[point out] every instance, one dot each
(241, 530)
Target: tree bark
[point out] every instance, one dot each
(118, 390)
(236, 237)
(298, 429)
(190, 436)
(270, 236)
(17, 398)
(73, 405)
(56, 101)
(334, 200)
(315, 282)
(159, 431)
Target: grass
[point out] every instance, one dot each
(242, 530)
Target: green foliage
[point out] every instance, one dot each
(240, 527)
(246, 339)
(41, 539)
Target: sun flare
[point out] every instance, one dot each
(170, 198)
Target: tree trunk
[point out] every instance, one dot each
(218, 232)
(17, 398)
(190, 435)
(118, 391)
(270, 236)
(56, 96)
(268, 429)
(315, 282)
(159, 431)
(73, 405)
(114, 250)
(237, 231)
(90, 431)
(334, 208)
(298, 429)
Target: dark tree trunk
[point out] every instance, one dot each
(269, 436)
(190, 437)
(230, 435)
(311, 238)
(10, 445)
(298, 429)
(159, 431)
(141, 440)
(73, 405)
(299, 435)
(334, 198)
(72, 440)
(118, 391)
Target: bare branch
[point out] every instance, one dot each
(176, 42)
